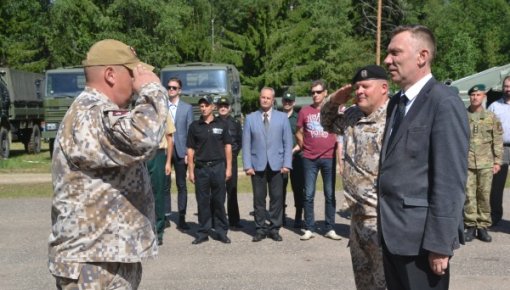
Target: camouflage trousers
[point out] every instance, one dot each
(477, 208)
(126, 276)
(366, 253)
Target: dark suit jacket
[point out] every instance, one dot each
(422, 174)
(183, 118)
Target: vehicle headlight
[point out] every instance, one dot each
(51, 126)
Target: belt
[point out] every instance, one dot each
(202, 164)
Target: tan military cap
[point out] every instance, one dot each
(113, 52)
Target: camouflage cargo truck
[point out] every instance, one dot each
(199, 79)
(62, 86)
(21, 110)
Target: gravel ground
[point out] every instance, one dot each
(292, 264)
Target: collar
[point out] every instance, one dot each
(376, 115)
(415, 89)
(268, 113)
(202, 121)
(176, 103)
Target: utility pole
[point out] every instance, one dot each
(212, 34)
(378, 45)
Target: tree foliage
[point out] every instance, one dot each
(280, 43)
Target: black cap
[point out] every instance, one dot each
(207, 98)
(475, 88)
(223, 101)
(370, 72)
(289, 97)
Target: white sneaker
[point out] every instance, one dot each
(332, 235)
(308, 235)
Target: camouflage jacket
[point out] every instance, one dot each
(486, 141)
(103, 207)
(362, 147)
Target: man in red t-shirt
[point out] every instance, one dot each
(318, 147)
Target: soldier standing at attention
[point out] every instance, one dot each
(209, 167)
(363, 126)
(159, 169)
(235, 130)
(485, 159)
(103, 208)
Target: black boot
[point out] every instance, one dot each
(182, 223)
(483, 235)
(469, 234)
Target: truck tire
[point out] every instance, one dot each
(4, 143)
(52, 145)
(34, 144)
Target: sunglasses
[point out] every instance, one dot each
(172, 88)
(317, 92)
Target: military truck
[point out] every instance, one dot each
(62, 86)
(199, 79)
(21, 110)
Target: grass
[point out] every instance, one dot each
(21, 162)
(26, 190)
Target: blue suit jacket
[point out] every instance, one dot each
(183, 118)
(277, 151)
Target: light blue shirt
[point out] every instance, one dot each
(172, 109)
(502, 111)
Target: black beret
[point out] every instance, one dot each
(370, 72)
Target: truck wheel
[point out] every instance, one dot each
(52, 145)
(34, 144)
(4, 143)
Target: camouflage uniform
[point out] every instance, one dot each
(103, 207)
(485, 150)
(363, 140)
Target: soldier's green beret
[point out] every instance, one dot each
(370, 72)
(475, 88)
(223, 101)
(289, 97)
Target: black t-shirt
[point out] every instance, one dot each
(208, 140)
(235, 131)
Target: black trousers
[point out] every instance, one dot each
(180, 169)
(496, 199)
(261, 182)
(411, 272)
(232, 204)
(297, 181)
(210, 194)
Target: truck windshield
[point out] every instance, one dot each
(65, 84)
(197, 82)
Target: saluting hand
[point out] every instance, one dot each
(143, 76)
(342, 95)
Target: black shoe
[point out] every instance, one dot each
(275, 236)
(483, 235)
(200, 240)
(167, 224)
(224, 239)
(183, 225)
(160, 241)
(258, 237)
(469, 234)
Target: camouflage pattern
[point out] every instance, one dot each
(104, 276)
(485, 150)
(486, 141)
(362, 147)
(366, 255)
(477, 208)
(103, 206)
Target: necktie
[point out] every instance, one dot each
(399, 115)
(266, 122)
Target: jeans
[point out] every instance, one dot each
(327, 168)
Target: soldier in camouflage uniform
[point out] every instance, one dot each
(103, 208)
(485, 158)
(363, 128)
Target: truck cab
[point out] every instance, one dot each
(199, 79)
(62, 86)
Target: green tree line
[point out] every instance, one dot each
(280, 43)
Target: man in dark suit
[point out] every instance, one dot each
(423, 167)
(182, 115)
(267, 155)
